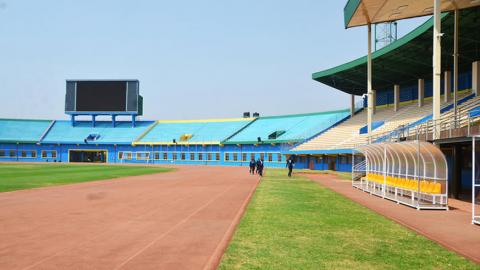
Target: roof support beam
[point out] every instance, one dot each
(476, 77)
(396, 97)
(455, 63)
(447, 85)
(421, 92)
(437, 65)
(352, 105)
(369, 83)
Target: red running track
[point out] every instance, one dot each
(176, 220)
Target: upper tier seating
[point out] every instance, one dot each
(346, 135)
(211, 131)
(288, 128)
(22, 130)
(122, 133)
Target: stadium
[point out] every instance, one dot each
(411, 140)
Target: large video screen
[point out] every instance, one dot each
(103, 96)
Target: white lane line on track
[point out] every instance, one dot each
(99, 183)
(223, 243)
(93, 238)
(172, 229)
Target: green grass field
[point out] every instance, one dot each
(25, 176)
(341, 175)
(298, 224)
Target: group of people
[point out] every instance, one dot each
(256, 166)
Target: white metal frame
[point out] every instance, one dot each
(475, 185)
(419, 161)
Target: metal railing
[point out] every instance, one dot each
(445, 127)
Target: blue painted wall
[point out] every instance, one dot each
(342, 163)
(230, 155)
(407, 93)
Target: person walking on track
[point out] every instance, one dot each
(252, 166)
(260, 167)
(290, 164)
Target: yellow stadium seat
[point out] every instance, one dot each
(437, 188)
(410, 184)
(423, 186)
(395, 181)
(390, 180)
(429, 188)
(415, 184)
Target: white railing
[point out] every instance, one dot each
(444, 127)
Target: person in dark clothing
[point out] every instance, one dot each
(260, 167)
(252, 166)
(290, 165)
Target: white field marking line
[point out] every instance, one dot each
(92, 239)
(171, 229)
(231, 228)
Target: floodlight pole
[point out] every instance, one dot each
(369, 84)
(437, 67)
(455, 64)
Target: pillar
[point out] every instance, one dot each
(476, 77)
(369, 82)
(396, 97)
(437, 65)
(374, 102)
(133, 120)
(455, 62)
(421, 92)
(447, 85)
(352, 105)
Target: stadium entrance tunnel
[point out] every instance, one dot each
(89, 156)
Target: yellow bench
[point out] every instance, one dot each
(405, 183)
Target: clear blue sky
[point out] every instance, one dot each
(194, 59)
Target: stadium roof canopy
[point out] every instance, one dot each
(363, 12)
(409, 58)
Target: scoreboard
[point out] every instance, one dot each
(103, 97)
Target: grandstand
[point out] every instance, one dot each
(211, 131)
(406, 99)
(62, 132)
(22, 131)
(231, 141)
(287, 128)
(349, 134)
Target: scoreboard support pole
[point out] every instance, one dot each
(72, 119)
(134, 120)
(93, 119)
(114, 119)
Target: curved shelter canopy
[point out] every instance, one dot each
(409, 58)
(413, 159)
(363, 12)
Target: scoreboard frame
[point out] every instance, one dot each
(72, 94)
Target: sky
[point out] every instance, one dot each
(194, 59)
